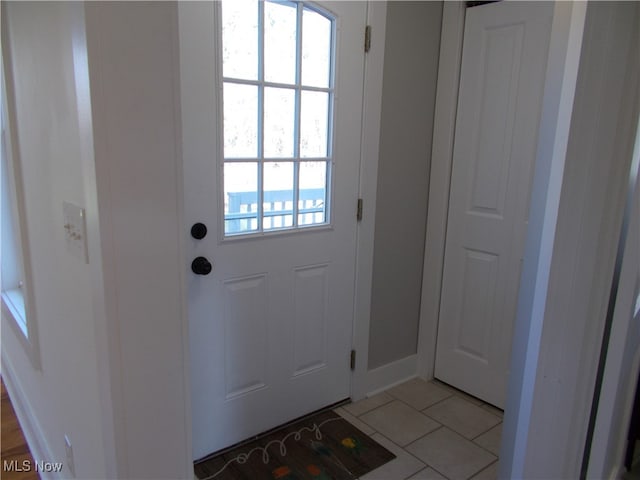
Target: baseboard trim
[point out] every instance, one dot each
(392, 374)
(31, 428)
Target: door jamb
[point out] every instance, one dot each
(368, 184)
(453, 16)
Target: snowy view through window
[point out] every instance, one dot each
(278, 99)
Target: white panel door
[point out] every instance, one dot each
(499, 104)
(271, 148)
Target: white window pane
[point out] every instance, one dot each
(280, 42)
(316, 49)
(279, 113)
(240, 197)
(312, 193)
(240, 39)
(314, 124)
(240, 121)
(278, 195)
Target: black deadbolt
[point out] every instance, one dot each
(201, 266)
(199, 231)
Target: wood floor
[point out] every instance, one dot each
(13, 447)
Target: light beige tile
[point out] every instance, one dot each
(463, 417)
(367, 404)
(489, 473)
(401, 467)
(491, 439)
(419, 394)
(490, 408)
(459, 393)
(427, 474)
(363, 427)
(399, 422)
(451, 454)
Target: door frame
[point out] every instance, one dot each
(446, 107)
(559, 89)
(364, 381)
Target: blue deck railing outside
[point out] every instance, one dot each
(242, 209)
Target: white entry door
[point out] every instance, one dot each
(271, 98)
(499, 104)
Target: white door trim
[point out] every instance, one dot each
(588, 228)
(558, 102)
(371, 112)
(444, 125)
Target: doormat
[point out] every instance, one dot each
(320, 447)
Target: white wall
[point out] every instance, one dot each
(623, 358)
(64, 397)
(558, 333)
(134, 71)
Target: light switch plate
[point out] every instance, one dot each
(75, 231)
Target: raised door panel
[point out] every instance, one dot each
(245, 335)
(310, 328)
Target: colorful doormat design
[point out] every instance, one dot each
(320, 447)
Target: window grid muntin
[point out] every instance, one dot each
(298, 88)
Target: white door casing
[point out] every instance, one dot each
(499, 104)
(271, 326)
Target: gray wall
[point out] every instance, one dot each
(409, 90)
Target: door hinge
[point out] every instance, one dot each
(359, 210)
(352, 360)
(367, 38)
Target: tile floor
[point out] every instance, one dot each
(435, 431)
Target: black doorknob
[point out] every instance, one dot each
(198, 231)
(201, 266)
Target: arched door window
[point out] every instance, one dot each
(278, 96)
